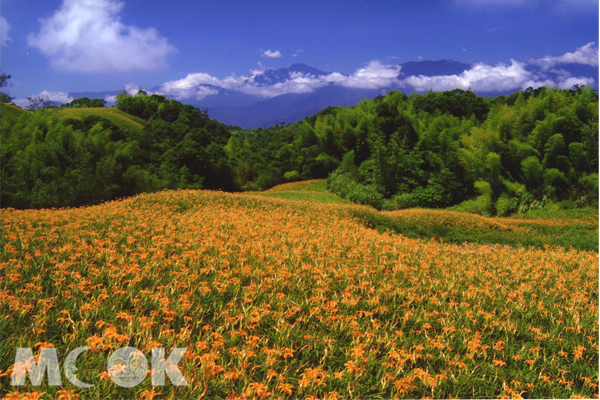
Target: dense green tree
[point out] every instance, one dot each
(84, 102)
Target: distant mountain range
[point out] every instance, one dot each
(292, 107)
(236, 107)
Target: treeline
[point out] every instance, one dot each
(485, 155)
(48, 161)
(84, 102)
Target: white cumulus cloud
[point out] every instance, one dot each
(587, 55)
(374, 76)
(570, 82)
(481, 77)
(4, 28)
(88, 36)
(192, 85)
(272, 54)
(23, 103)
(61, 97)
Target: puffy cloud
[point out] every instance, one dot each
(132, 89)
(272, 54)
(374, 76)
(192, 85)
(23, 103)
(587, 55)
(570, 82)
(87, 36)
(508, 77)
(4, 28)
(60, 97)
(481, 77)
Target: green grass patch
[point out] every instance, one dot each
(307, 196)
(571, 228)
(579, 234)
(10, 113)
(112, 114)
(312, 190)
(585, 213)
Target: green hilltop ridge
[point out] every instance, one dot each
(112, 114)
(491, 156)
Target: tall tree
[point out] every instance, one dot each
(4, 97)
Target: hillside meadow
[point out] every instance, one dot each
(112, 114)
(284, 294)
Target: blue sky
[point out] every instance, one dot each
(100, 45)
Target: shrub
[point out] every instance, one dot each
(482, 204)
(567, 205)
(587, 188)
(555, 182)
(532, 171)
(291, 176)
(506, 205)
(405, 200)
(347, 188)
(433, 195)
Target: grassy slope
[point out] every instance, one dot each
(112, 114)
(566, 228)
(313, 190)
(10, 113)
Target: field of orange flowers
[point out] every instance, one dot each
(281, 298)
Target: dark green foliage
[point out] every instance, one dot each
(485, 155)
(53, 162)
(84, 102)
(457, 102)
(435, 150)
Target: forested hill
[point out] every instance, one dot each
(485, 155)
(78, 156)
(488, 155)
